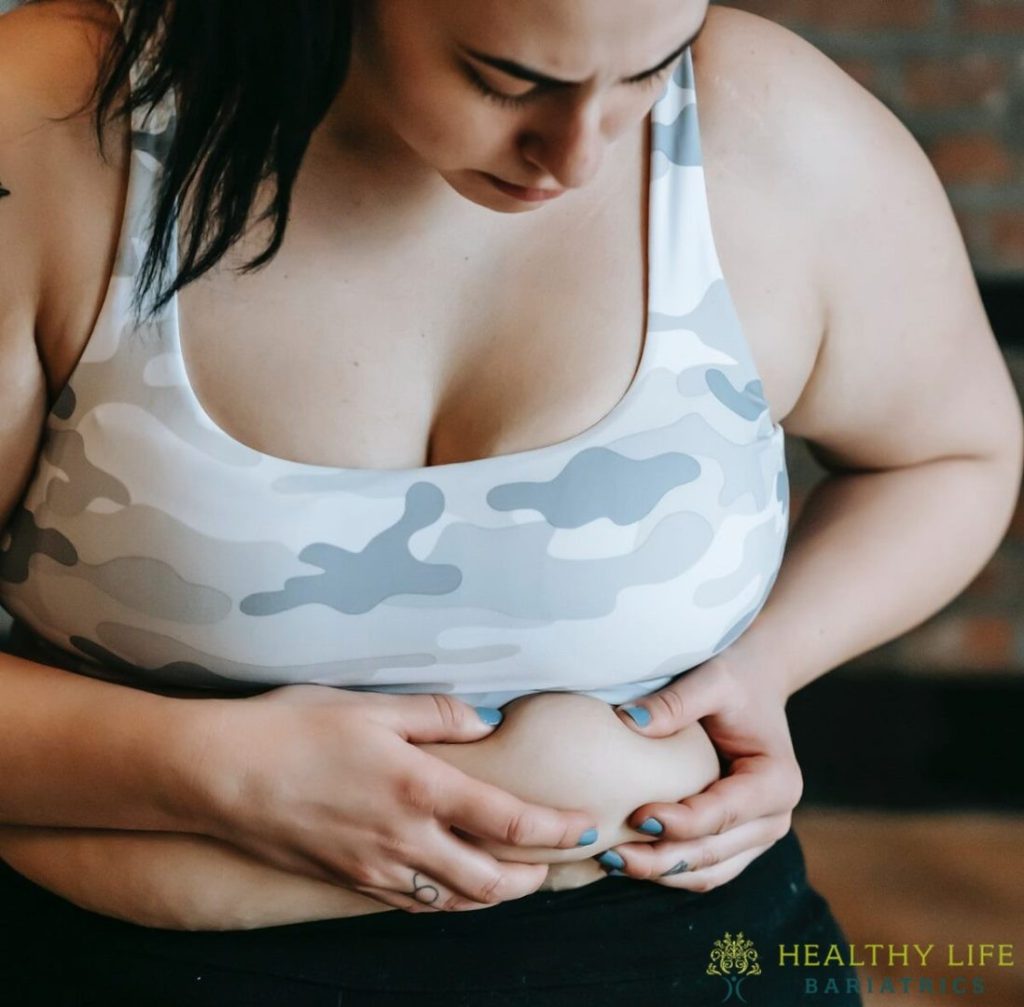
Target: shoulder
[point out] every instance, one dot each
(790, 116)
(42, 49)
(903, 324)
(65, 199)
(787, 91)
(50, 52)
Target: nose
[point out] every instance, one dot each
(570, 146)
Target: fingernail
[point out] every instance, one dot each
(640, 714)
(651, 826)
(611, 859)
(678, 869)
(588, 837)
(489, 715)
(617, 874)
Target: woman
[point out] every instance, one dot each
(301, 517)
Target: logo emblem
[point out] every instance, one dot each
(734, 959)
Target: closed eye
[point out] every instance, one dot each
(506, 100)
(520, 100)
(650, 79)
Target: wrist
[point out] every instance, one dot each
(765, 667)
(195, 773)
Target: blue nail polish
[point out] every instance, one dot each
(617, 874)
(588, 837)
(651, 826)
(489, 715)
(641, 715)
(611, 859)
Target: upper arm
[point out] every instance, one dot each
(908, 369)
(33, 41)
(22, 382)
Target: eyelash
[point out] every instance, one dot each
(505, 100)
(519, 100)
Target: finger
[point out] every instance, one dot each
(396, 900)
(489, 812)
(758, 786)
(697, 694)
(471, 873)
(651, 861)
(443, 872)
(421, 895)
(436, 717)
(713, 877)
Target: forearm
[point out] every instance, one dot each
(871, 556)
(81, 752)
(174, 881)
(183, 881)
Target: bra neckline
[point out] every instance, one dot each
(509, 458)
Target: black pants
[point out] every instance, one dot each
(615, 942)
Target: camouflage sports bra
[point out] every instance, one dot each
(152, 548)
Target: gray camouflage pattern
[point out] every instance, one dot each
(154, 549)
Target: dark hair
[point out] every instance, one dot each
(252, 78)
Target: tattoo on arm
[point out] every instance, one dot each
(3, 191)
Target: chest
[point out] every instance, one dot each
(386, 347)
(608, 556)
(430, 351)
(358, 350)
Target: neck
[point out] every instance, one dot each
(356, 146)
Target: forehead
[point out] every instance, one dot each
(570, 38)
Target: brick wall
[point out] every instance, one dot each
(953, 72)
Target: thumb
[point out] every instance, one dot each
(668, 710)
(436, 717)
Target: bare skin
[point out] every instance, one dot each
(502, 375)
(559, 749)
(477, 381)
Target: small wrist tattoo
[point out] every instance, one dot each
(4, 192)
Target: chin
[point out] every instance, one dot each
(472, 185)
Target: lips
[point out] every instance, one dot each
(522, 192)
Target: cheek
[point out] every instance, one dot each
(429, 106)
(627, 112)
(449, 128)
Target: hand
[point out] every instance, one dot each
(330, 783)
(711, 837)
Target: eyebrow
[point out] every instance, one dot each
(534, 77)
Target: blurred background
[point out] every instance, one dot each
(913, 814)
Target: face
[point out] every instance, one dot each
(514, 104)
